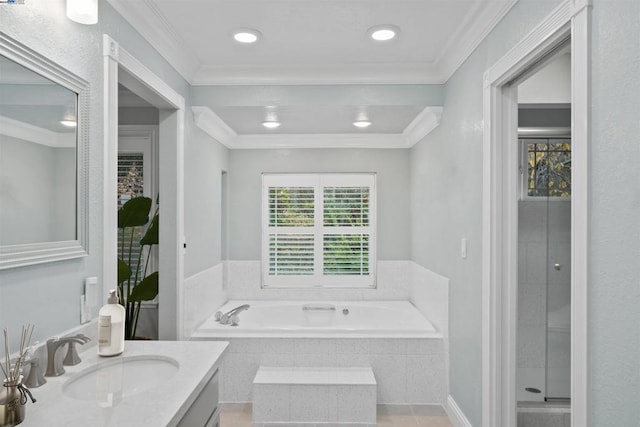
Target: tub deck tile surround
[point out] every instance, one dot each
(416, 376)
(408, 357)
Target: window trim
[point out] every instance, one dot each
(319, 181)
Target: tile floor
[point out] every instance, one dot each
(239, 415)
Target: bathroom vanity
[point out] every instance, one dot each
(153, 383)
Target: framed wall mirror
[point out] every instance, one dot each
(44, 113)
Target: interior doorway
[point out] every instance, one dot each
(122, 69)
(569, 22)
(543, 354)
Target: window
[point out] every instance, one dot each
(318, 230)
(548, 168)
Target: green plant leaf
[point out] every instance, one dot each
(124, 272)
(135, 212)
(146, 290)
(151, 236)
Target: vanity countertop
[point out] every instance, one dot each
(162, 405)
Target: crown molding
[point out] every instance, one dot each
(469, 36)
(215, 127)
(36, 134)
(422, 125)
(337, 74)
(145, 18)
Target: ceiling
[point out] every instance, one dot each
(314, 42)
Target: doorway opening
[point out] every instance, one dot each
(543, 382)
(568, 23)
(123, 70)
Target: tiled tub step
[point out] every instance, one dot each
(314, 395)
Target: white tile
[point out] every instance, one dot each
(426, 379)
(239, 372)
(314, 346)
(309, 403)
(353, 346)
(391, 375)
(356, 404)
(425, 346)
(388, 345)
(319, 359)
(271, 403)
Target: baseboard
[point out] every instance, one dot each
(455, 414)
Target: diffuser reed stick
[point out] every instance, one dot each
(12, 374)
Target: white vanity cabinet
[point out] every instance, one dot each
(205, 410)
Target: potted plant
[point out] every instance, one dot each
(134, 284)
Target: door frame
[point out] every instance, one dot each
(571, 19)
(120, 64)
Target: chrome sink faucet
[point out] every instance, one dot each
(55, 369)
(231, 317)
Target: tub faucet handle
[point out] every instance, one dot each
(218, 316)
(234, 320)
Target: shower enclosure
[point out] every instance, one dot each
(544, 273)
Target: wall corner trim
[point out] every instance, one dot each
(457, 417)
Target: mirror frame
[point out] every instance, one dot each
(36, 253)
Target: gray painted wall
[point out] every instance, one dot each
(614, 293)
(452, 154)
(48, 294)
(446, 201)
(245, 184)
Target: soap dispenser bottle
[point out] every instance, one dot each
(111, 327)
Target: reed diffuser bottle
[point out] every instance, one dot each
(13, 394)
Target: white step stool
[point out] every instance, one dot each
(314, 395)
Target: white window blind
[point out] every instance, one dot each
(318, 230)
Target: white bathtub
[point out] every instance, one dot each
(407, 354)
(322, 319)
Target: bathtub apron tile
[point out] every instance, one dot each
(271, 403)
(425, 346)
(426, 380)
(388, 345)
(356, 403)
(353, 346)
(240, 369)
(391, 374)
(315, 346)
(315, 360)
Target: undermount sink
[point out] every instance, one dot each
(110, 380)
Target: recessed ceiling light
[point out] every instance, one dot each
(246, 36)
(69, 123)
(383, 33)
(362, 123)
(270, 124)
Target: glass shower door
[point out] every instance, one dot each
(549, 182)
